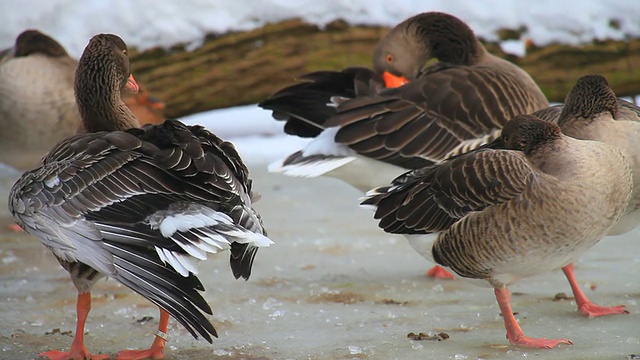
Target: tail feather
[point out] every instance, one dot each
(142, 270)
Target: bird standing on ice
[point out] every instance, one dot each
(531, 201)
(140, 205)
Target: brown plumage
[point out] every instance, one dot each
(531, 201)
(142, 206)
(465, 95)
(592, 112)
(468, 94)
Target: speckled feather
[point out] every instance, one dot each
(502, 212)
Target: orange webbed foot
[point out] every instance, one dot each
(439, 272)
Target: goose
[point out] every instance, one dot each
(455, 104)
(592, 112)
(140, 205)
(531, 201)
(37, 104)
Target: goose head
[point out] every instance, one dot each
(433, 35)
(103, 73)
(526, 133)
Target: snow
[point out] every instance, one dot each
(252, 130)
(146, 23)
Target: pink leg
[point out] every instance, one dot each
(439, 272)
(514, 332)
(156, 351)
(78, 351)
(585, 306)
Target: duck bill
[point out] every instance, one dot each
(392, 81)
(132, 85)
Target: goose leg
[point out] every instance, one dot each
(585, 306)
(156, 351)
(78, 351)
(439, 272)
(514, 332)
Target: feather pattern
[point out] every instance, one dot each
(306, 105)
(144, 206)
(486, 206)
(461, 101)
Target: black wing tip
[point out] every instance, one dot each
(241, 260)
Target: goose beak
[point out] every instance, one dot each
(392, 81)
(132, 85)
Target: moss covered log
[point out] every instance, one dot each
(246, 67)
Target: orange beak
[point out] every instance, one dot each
(132, 85)
(392, 81)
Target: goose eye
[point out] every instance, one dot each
(389, 58)
(124, 52)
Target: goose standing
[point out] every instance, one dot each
(531, 201)
(455, 104)
(142, 206)
(592, 112)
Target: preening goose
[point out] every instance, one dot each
(467, 94)
(453, 105)
(142, 206)
(531, 201)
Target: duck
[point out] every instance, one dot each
(37, 100)
(459, 102)
(531, 201)
(142, 206)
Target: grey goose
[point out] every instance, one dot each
(140, 205)
(531, 201)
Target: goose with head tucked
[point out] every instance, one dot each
(140, 205)
(37, 104)
(531, 201)
(591, 111)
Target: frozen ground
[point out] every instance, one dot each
(332, 287)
